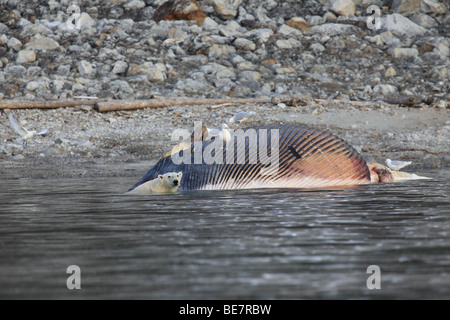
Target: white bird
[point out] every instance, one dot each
(241, 117)
(25, 135)
(397, 165)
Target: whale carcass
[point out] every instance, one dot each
(285, 156)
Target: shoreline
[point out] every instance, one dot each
(84, 143)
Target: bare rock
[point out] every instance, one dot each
(85, 68)
(244, 44)
(385, 89)
(26, 56)
(424, 20)
(432, 6)
(404, 53)
(399, 24)
(298, 23)
(227, 9)
(343, 7)
(180, 10)
(40, 43)
(13, 43)
(406, 5)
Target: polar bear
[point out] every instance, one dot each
(165, 183)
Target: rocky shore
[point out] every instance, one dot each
(385, 90)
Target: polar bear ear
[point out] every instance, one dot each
(180, 174)
(161, 177)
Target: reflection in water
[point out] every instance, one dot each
(266, 244)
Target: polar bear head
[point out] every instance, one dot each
(170, 180)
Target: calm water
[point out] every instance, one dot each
(272, 244)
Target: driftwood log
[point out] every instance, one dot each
(159, 103)
(118, 105)
(45, 104)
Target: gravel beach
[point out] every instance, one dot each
(386, 91)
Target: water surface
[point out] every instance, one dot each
(261, 244)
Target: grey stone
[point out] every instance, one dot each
(385, 89)
(63, 70)
(85, 21)
(244, 44)
(15, 70)
(13, 43)
(332, 29)
(153, 73)
(226, 9)
(406, 5)
(231, 29)
(343, 7)
(317, 48)
(135, 5)
(315, 20)
(58, 85)
(249, 76)
(424, 20)
(287, 31)
(120, 86)
(209, 24)
(283, 44)
(39, 84)
(120, 67)
(227, 73)
(138, 80)
(397, 23)
(432, 6)
(40, 43)
(192, 86)
(26, 56)
(85, 68)
(220, 51)
(35, 29)
(442, 48)
(246, 65)
(262, 35)
(3, 28)
(404, 53)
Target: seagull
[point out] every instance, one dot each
(241, 117)
(25, 135)
(397, 165)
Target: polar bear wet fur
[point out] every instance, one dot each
(165, 183)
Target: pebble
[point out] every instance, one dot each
(26, 56)
(86, 68)
(404, 52)
(226, 9)
(343, 7)
(244, 44)
(400, 24)
(40, 43)
(385, 89)
(390, 72)
(14, 43)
